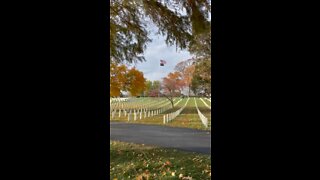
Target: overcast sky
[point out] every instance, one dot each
(157, 50)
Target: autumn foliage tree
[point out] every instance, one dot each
(152, 88)
(117, 79)
(124, 79)
(172, 86)
(186, 69)
(135, 82)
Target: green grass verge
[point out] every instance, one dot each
(134, 161)
(188, 118)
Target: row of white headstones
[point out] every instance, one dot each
(118, 100)
(170, 116)
(148, 106)
(138, 104)
(134, 113)
(205, 103)
(203, 118)
(144, 113)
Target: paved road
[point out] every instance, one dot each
(164, 136)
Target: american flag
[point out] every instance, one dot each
(162, 61)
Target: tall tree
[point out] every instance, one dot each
(148, 88)
(117, 79)
(186, 68)
(152, 88)
(128, 24)
(172, 86)
(201, 81)
(200, 45)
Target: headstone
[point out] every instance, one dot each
(113, 114)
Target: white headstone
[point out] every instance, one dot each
(112, 115)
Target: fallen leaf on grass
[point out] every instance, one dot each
(187, 178)
(168, 163)
(144, 176)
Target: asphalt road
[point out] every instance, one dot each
(162, 136)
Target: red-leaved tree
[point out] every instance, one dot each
(172, 86)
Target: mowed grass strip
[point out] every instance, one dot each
(136, 161)
(207, 101)
(204, 110)
(188, 118)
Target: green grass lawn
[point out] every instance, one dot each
(134, 161)
(189, 117)
(207, 101)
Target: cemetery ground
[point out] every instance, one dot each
(134, 161)
(188, 118)
(177, 149)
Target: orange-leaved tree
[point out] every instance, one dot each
(172, 86)
(124, 79)
(117, 78)
(186, 68)
(135, 83)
